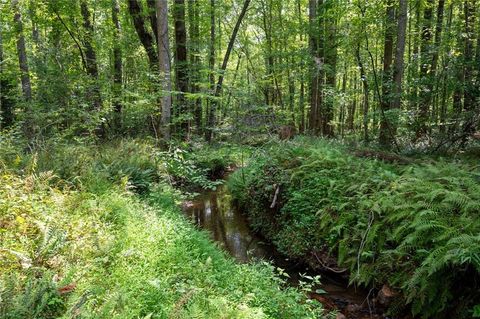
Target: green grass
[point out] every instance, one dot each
(414, 227)
(96, 232)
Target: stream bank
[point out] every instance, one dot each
(227, 225)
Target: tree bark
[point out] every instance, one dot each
(164, 66)
(364, 80)
(22, 53)
(385, 137)
(211, 65)
(425, 66)
(330, 49)
(6, 104)
(145, 37)
(470, 90)
(90, 55)
(316, 51)
(117, 63)
(219, 86)
(152, 17)
(194, 21)
(181, 65)
(469, 97)
(398, 69)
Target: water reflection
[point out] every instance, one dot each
(213, 211)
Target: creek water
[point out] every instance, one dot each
(213, 211)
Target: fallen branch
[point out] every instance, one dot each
(274, 202)
(337, 271)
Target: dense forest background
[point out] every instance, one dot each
(345, 133)
(401, 73)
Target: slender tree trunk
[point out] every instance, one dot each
(90, 55)
(469, 98)
(385, 137)
(22, 53)
(433, 83)
(6, 103)
(164, 66)
(364, 80)
(117, 65)
(398, 68)
(316, 51)
(219, 86)
(470, 90)
(302, 70)
(353, 105)
(181, 65)
(270, 96)
(194, 22)
(152, 17)
(145, 37)
(331, 56)
(211, 64)
(425, 66)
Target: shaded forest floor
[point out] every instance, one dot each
(95, 231)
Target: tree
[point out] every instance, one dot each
(164, 66)
(117, 63)
(219, 86)
(181, 66)
(22, 53)
(425, 76)
(386, 137)
(194, 61)
(211, 64)
(145, 37)
(398, 69)
(6, 103)
(90, 55)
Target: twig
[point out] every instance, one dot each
(337, 271)
(275, 197)
(73, 38)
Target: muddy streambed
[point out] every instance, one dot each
(213, 211)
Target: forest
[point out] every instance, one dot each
(240, 159)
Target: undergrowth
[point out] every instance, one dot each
(78, 242)
(414, 227)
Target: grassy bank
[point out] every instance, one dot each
(413, 227)
(97, 233)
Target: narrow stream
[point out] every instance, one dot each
(213, 211)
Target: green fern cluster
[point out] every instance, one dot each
(415, 228)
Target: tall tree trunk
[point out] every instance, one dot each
(211, 65)
(181, 65)
(330, 49)
(117, 65)
(219, 86)
(302, 70)
(398, 69)
(316, 81)
(469, 98)
(6, 103)
(194, 24)
(22, 53)
(145, 37)
(90, 55)
(152, 17)
(164, 66)
(425, 77)
(385, 137)
(353, 105)
(470, 88)
(366, 92)
(433, 84)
